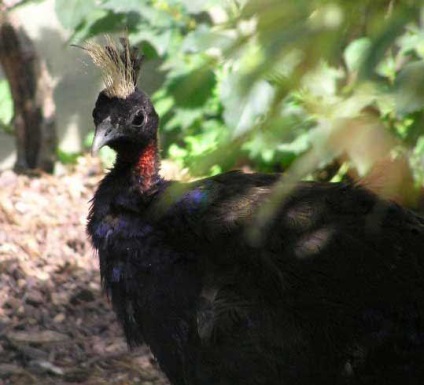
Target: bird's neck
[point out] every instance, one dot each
(143, 165)
(146, 169)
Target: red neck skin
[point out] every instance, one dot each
(147, 166)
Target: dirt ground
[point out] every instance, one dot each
(56, 327)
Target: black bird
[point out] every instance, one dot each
(330, 292)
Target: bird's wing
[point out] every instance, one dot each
(215, 207)
(335, 264)
(328, 226)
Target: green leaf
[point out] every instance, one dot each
(193, 89)
(298, 146)
(160, 41)
(67, 157)
(107, 157)
(198, 6)
(322, 81)
(176, 151)
(419, 148)
(73, 13)
(183, 118)
(356, 52)
(380, 44)
(215, 170)
(242, 110)
(119, 6)
(157, 18)
(98, 24)
(387, 68)
(83, 31)
(413, 41)
(417, 161)
(6, 103)
(203, 38)
(88, 140)
(163, 103)
(409, 94)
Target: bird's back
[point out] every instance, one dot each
(329, 289)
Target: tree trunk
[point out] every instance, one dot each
(30, 84)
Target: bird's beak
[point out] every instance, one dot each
(102, 136)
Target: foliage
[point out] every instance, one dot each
(271, 83)
(6, 106)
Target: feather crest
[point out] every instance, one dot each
(119, 67)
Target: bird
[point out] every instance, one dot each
(328, 290)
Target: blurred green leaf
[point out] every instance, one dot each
(243, 111)
(67, 157)
(270, 83)
(198, 6)
(322, 81)
(73, 13)
(88, 140)
(6, 106)
(163, 102)
(391, 30)
(356, 52)
(193, 89)
(160, 41)
(203, 38)
(410, 88)
(412, 42)
(119, 6)
(103, 22)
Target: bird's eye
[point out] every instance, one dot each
(138, 119)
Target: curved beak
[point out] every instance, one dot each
(102, 136)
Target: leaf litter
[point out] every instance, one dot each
(56, 327)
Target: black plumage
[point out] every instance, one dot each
(329, 291)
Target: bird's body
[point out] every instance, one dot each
(329, 291)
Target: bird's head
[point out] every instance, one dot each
(124, 116)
